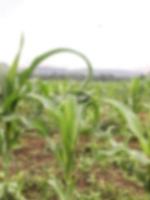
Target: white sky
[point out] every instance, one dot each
(112, 33)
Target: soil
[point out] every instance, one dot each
(33, 157)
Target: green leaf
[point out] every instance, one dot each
(24, 76)
(13, 70)
(133, 123)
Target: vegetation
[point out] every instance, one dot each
(73, 140)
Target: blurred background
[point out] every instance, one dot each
(115, 35)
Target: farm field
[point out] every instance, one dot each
(73, 140)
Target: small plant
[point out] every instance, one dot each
(14, 89)
(68, 116)
(136, 90)
(143, 136)
(12, 188)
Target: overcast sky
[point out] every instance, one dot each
(112, 33)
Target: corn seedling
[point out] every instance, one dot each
(136, 89)
(14, 89)
(133, 124)
(68, 116)
(142, 135)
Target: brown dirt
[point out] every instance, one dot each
(33, 157)
(143, 116)
(133, 143)
(116, 177)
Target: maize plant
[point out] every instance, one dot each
(68, 116)
(14, 89)
(143, 136)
